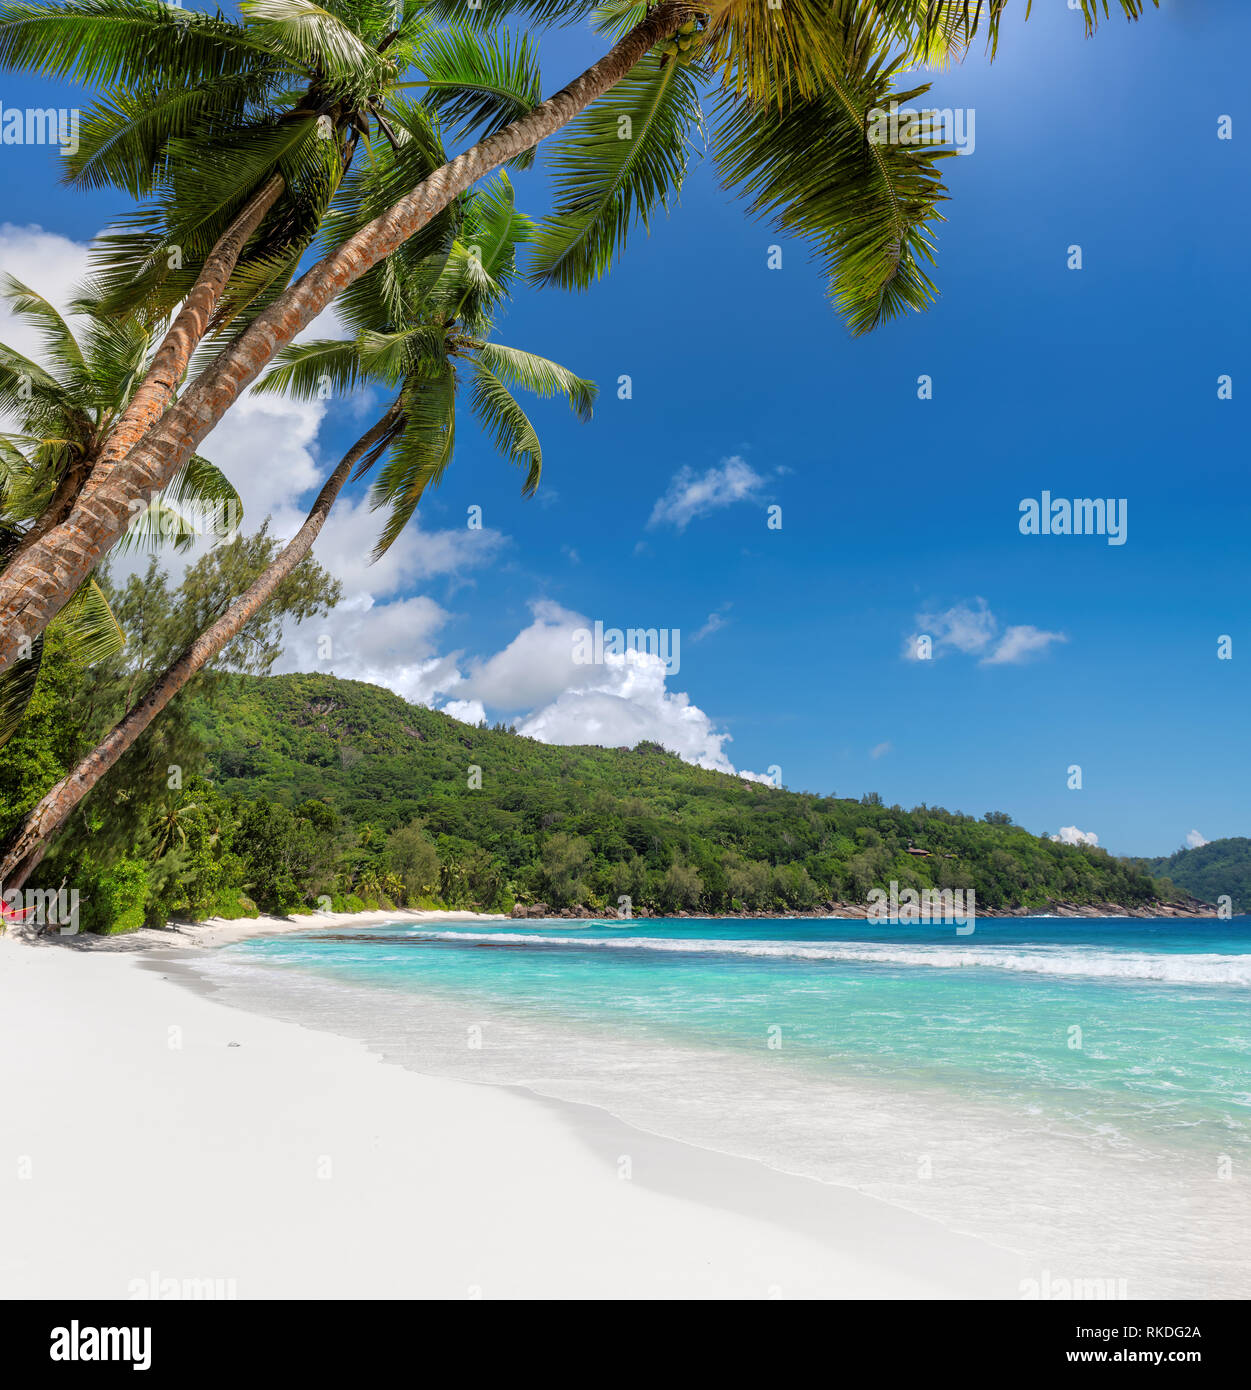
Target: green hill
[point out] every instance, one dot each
(1221, 867)
(574, 826)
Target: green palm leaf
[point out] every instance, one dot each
(420, 453)
(508, 425)
(866, 207)
(120, 43)
(309, 371)
(480, 81)
(124, 137)
(198, 486)
(60, 344)
(310, 36)
(954, 23)
(24, 386)
(621, 158)
(17, 687)
(539, 375)
(88, 619)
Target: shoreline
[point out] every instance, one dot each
(294, 1162)
(221, 931)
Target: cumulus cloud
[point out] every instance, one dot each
(973, 630)
(691, 494)
(1194, 839)
(351, 532)
(52, 265)
(623, 702)
(1071, 835)
(536, 666)
(467, 711)
(535, 679)
(391, 644)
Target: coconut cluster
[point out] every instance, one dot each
(682, 45)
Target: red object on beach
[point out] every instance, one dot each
(13, 914)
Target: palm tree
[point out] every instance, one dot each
(63, 408)
(169, 829)
(235, 136)
(797, 87)
(416, 322)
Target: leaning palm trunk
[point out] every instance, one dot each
(190, 324)
(33, 591)
(166, 369)
(29, 844)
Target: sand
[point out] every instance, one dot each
(156, 1141)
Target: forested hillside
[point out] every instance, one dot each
(508, 818)
(1221, 867)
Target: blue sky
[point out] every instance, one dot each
(898, 515)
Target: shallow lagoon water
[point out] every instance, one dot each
(1076, 1089)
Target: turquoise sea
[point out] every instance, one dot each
(1075, 1089)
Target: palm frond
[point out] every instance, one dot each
(121, 43)
(199, 501)
(24, 384)
(480, 81)
(382, 296)
(125, 138)
(508, 425)
(942, 27)
(419, 454)
(17, 687)
(59, 342)
(307, 34)
(314, 370)
(819, 167)
(95, 632)
(625, 155)
(539, 375)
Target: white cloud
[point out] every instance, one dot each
(692, 494)
(973, 630)
(624, 702)
(1071, 835)
(880, 750)
(1020, 643)
(716, 621)
(52, 266)
(536, 666)
(621, 702)
(966, 627)
(351, 532)
(391, 644)
(768, 779)
(1194, 839)
(265, 446)
(467, 711)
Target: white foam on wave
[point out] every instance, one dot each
(1078, 962)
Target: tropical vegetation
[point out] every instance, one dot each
(236, 136)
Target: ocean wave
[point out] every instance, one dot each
(1091, 963)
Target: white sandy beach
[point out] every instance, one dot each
(149, 1133)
